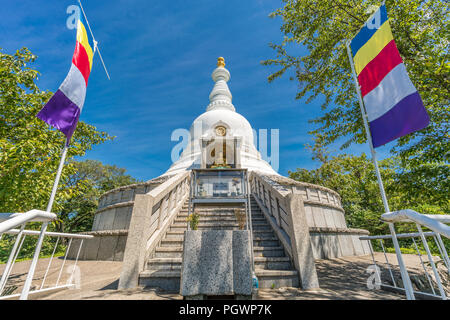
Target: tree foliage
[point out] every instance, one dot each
(30, 151)
(353, 177)
(93, 179)
(29, 148)
(421, 30)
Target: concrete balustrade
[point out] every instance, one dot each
(112, 221)
(152, 215)
(329, 235)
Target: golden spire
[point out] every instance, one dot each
(220, 62)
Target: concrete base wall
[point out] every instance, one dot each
(329, 243)
(105, 246)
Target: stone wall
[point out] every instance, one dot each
(115, 206)
(329, 243)
(330, 236)
(105, 246)
(111, 223)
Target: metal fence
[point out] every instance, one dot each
(11, 284)
(427, 284)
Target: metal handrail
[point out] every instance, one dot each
(433, 222)
(12, 220)
(51, 234)
(399, 235)
(436, 223)
(15, 252)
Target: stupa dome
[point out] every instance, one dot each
(220, 113)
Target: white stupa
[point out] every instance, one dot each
(221, 119)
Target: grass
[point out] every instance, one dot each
(406, 251)
(58, 254)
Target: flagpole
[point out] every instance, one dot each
(403, 271)
(93, 38)
(29, 279)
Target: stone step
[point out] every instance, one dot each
(176, 251)
(257, 242)
(257, 236)
(264, 226)
(164, 264)
(206, 227)
(212, 212)
(208, 223)
(167, 280)
(218, 218)
(199, 209)
(170, 280)
(172, 242)
(277, 278)
(168, 252)
(263, 236)
(273, 263)
(217, 211)
(269, 251)
(267, 263)
(174, 235)
(273, 242)
(178, 233)
(257, 233)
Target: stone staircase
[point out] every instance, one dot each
(273, 267)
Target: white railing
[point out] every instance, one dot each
(436, 223)
(12, 220)
(432, 222)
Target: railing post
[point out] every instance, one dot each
(26, 286)
(388, 264)
(443, 251)
(423, 266)
(162, 208)
(433, 266)
(277, 212)
(269, 203)
(64, 261)
(11, 259)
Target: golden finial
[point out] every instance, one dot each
(221, 62)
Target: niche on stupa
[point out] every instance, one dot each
(220, 149)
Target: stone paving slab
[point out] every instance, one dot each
(339, 279)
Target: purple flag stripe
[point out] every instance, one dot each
(405, 117)
(61, 113)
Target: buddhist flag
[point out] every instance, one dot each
(393, 105)
(63, 109)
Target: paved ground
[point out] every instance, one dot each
(344, 278)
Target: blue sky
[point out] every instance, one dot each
(160, 55)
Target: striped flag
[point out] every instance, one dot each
(393, 105)
(63, 109)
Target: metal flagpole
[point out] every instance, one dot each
(27, 285)
(29, 279)
(93, 38)
(403, 271)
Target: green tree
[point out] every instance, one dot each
(353, 177)
(92, 178)
(421, 31)
(29, 156)
(29, 148)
